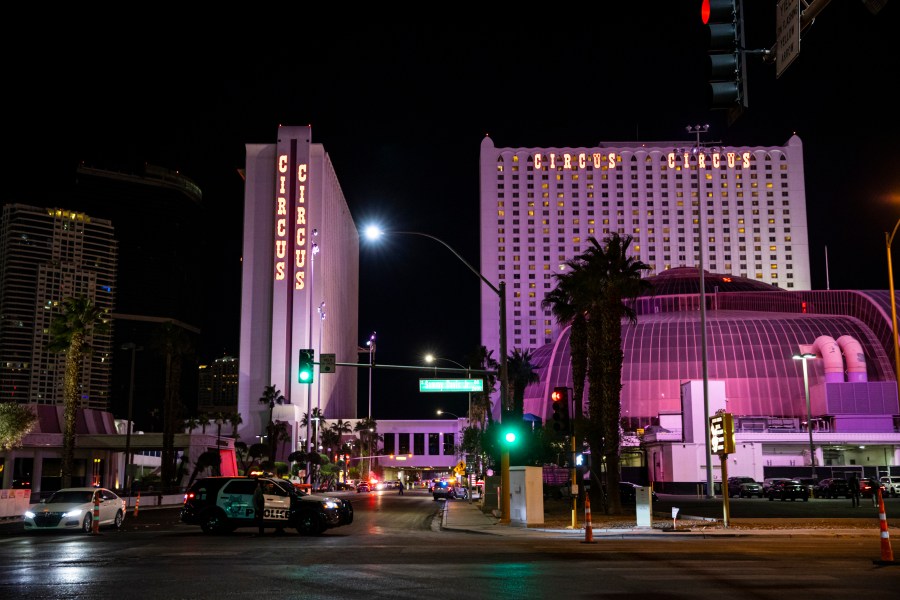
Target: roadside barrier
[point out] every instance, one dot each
(137, 503)
(887, 555)
(95, 520)
(588, 530)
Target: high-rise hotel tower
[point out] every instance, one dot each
(47, 255)
(539, 206)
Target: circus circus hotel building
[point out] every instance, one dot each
(539, 206)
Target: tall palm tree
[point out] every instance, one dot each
(521, 373)
(482, 412)
(271, 396)
(71, 332)
(598, 287)
(177, 347)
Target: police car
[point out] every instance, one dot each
(224, 504)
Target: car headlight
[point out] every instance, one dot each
(29, 514)
(329, 504)
(73, 513)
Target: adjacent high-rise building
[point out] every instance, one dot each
(539, 207)
(218, 386)
(47, 255)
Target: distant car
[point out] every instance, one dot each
(868, 485)
(628, 492)
(73, 509)
(788, 489)
(745, 487)
(891, 485)
(363, 486)
(810, 483)
(343, 486)
(443, 489)
(833, 487)
(768, 481)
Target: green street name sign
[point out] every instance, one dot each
(451, 385)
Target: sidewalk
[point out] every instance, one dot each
(460, 515)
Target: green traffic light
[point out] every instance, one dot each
(510, 437)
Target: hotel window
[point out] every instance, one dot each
(434, 444)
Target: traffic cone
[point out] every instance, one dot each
(887, 555)
(95, 521)
(137, 503)
(588, 530)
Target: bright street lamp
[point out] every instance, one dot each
(812, 451)
(372, 232)
(447, 412)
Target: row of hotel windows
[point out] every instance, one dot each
(662, 159)
(399, 443)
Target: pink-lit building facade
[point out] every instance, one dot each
(748, 211)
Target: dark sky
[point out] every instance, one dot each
(402, 110)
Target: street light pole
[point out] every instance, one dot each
(889, 239)
(373, 232)
(430, 358)
(697, 151)
(134, 348)
(812, 452)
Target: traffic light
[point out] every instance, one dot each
(726, 65)
(560, 397)
(306, 366)
(509, 435)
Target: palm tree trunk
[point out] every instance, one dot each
(70, 399)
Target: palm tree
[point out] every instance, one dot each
(71, 332)
(521, 373)
(482, 412)
(271, 396)
(203, 421)
(368, 436)
(235, 419)
(191, 424)
(596, 288)
(176, 346)
(315, 416)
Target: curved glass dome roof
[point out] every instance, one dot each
(750, 350)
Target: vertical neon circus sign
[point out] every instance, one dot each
(281, 217)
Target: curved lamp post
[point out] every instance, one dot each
(889, 239)
(430, 358)
(812, 451)
(373, 233)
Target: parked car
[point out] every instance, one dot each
(628, 492)
(868, 485)
(73, 509)
(224, 504)
(810, 483)
(833, 487)
(891, 485)
(745, 487)
(785, 489)
(768, 481)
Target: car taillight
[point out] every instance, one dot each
(189, 496)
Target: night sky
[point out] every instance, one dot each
(396, 105)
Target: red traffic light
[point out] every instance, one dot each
(704, 12)
(556, 395)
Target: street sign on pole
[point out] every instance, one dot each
(787, 34)
(326, 363)
(451, 385)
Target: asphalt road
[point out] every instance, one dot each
(395, 548)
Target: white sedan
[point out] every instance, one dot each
(73, 509)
